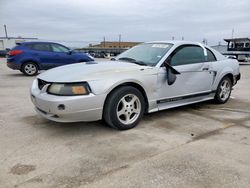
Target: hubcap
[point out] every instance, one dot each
(225, 90)
(128, 109)
(30, 69)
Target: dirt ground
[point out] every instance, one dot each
(201, 145)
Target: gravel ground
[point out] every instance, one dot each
(201, 145)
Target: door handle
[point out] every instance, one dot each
(205, 68)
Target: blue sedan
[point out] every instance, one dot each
(30, 57)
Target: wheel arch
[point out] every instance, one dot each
(230, 76)
(227, 72)
(132, 84)
(30, 60)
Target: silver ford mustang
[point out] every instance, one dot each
(146, 78)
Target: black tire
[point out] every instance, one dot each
(135, 111)
(218, 95)
(29, 69)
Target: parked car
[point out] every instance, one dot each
(146, 78)
(99, 55)
(231, 56)
(30, 57)
(3, 53)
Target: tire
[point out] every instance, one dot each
(120, 112)
(223, 91)
(29, 69)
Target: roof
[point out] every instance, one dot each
(237, 39)
(17, 38)
(40, 42)
(178, 42)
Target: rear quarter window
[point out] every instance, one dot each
(210, 56)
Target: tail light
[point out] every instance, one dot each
(15, 52)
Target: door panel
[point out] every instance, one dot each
(61, 55)
(43, 53)
(192, 80)
(62, 58)
(195, 76)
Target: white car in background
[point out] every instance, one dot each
(146, 78)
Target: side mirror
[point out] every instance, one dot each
(171, 73)
(70, 52)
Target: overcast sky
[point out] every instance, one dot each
(135, 20)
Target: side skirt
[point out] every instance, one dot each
(184, 100)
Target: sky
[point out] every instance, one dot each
(80, 22)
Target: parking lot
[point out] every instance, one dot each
(201, 145)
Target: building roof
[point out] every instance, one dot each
(237, 39)
(17, 38)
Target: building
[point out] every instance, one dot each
(109, 44)
(10, 42)
(238, 47)
(107, 48)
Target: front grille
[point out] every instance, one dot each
(42, 83)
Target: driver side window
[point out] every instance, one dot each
(59, 48)
(188, 55)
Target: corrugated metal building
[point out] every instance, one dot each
(10, 42)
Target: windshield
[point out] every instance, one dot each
(147, 53)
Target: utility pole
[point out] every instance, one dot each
(173, 38)
(182, 38)
(104, 41)
(120, 36)
(5, 29)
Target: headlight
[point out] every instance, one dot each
(69, 89)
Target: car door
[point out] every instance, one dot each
(62, 55)
(42, 53)
(195, 76)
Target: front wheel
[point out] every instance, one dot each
(223, 91)
(124, 108)
(29, 69)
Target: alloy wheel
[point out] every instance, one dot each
(225, 89)
(128, 109)
(30, 69)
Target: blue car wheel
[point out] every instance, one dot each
(29, 69)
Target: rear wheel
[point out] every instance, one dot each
(29, 69)
(124, 108)
(223, 91)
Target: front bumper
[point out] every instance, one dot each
(75, 108)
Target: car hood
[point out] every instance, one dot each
(91, 71)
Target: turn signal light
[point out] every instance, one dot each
(78, 90)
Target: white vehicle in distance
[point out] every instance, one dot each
(147, 78)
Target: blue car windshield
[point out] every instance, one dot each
(146, 54)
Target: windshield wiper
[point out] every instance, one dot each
(133, 61)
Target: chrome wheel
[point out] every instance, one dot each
(225, 90)
(128, 109)
(30, 69)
